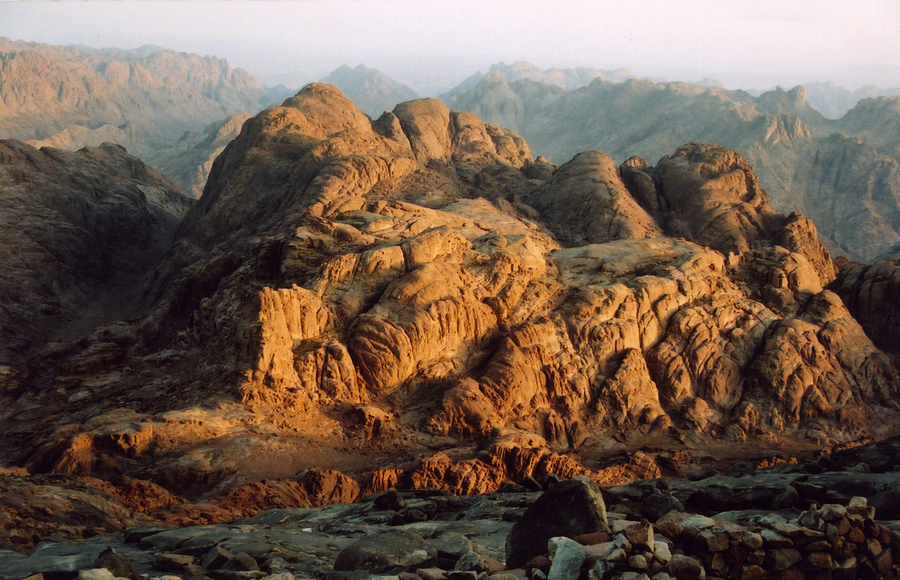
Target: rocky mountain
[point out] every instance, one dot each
(804, 161)
(416, 301)
(371, 90)
(154, 102)
(79, 231)
(162, 94)
(190, 159)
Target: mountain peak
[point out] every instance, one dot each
(373, 91)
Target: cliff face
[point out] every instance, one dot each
(841, 174)
(360, 294)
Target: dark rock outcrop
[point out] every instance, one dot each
(570, 508)
(872, 294)
(74, 225)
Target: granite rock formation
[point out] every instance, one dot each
(418, 302)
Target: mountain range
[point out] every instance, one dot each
(175, 111)
(151, 100)
(259, 307)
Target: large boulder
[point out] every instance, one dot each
(387, 552)
(570, 508)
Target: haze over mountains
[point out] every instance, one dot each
(805, 161)
(175, 111)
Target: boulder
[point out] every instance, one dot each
(569, 508)
(388, 552)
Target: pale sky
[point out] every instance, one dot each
(751, 44)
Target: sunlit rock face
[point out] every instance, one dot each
(383, 297)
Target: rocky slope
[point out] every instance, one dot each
(189, 161)
(371, 90)
(842, 174)
(416, 301)
(75, 227)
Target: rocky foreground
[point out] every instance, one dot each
(830, 517)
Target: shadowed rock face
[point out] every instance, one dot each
(360, 294)
(872, 294)
(74, 224)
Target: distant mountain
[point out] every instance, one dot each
(373, 91)
(149, 100)
(842, 174)
(834, 101)
(191, 159)
(161, 94)
(568, 79)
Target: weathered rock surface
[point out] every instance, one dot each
(413, 302)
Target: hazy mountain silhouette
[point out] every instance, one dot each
(372, 91)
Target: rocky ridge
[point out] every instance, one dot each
(805, 162)
(417, 302)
